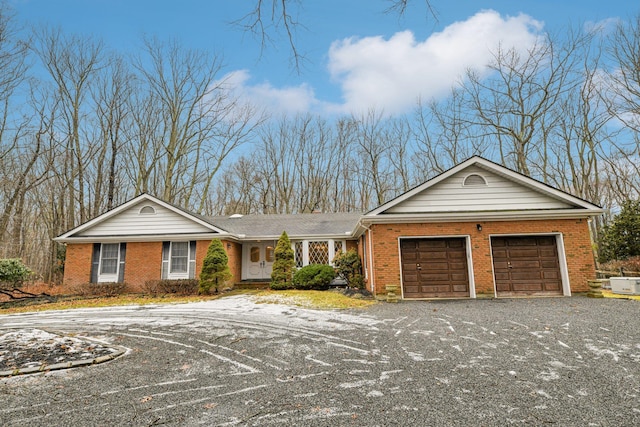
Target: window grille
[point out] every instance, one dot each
(319, 252)
(298, 254)
(179, 257)
(109, 264)
(337, 247)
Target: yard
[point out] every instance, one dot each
(232, 361)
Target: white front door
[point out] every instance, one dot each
(257, 260)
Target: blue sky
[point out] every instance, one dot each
(356, 56)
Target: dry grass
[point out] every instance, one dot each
(609, 294)
(309, 299)
(312, 299)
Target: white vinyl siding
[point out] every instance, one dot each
(499, 193)
(132, 223)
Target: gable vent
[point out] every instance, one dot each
(474, 180)
(147, 210)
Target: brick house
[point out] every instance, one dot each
(478, 229)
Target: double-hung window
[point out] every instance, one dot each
(108, 262)
(178, 260)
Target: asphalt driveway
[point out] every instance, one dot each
(552, 361)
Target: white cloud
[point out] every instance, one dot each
(391, 74)
(292, 99)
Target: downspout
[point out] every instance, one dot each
(370, 241)
(370, 255)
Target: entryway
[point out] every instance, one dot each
(257, 260)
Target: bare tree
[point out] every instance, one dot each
(73, 63)
(269, 20)
(516, 105)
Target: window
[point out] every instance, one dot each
(319, 252)
(254, 253)
(298, 254)
(178, 260)
(269, 253)
(179, 257)
(109, 258)
(107, 262)
(316, 251)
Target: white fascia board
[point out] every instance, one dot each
(145, 238)
(480, 216)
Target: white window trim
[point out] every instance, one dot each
(181, 275)
(108, 278)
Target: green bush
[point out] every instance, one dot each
(215, 268)
(314, 276)
(349, 267)
(13, 273)
(283, 265)
(621, 239)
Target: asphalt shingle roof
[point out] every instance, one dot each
(296, 225)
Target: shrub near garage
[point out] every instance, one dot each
(349, 267)
(314, 276)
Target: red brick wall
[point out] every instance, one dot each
(77, 264)
(143, 262)
(575, 232)
(234, 252)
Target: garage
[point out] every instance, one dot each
(526, 265)
(434, 268)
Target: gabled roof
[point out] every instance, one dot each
(111, 224)
(84, 230)
(444, 198)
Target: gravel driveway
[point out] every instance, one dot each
(548, 361)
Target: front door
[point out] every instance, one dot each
(258, 260)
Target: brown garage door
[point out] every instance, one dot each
(526, 265)
(434, 268)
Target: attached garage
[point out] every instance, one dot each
(434, 267)
(526, 265)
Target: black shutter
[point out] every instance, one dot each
(123, 252)
(165, 260)
(95, 263)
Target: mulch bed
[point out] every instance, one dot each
(35, 348)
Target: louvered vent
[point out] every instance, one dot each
(147, 210)
(474, 180)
